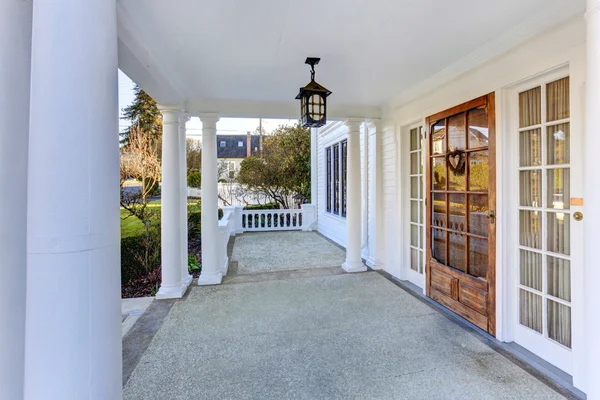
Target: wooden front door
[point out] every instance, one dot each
(461, 204)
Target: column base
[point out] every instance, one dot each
(171, 292)
(187, 280)
(353, 266)
(213, 279)
(225, 267)
(374, 263)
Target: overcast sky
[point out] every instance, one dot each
(231, 126)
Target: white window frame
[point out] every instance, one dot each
(341, 185)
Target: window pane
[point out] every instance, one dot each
(439, 210)
(530, 107)
(478, 257)
(530, 183)
(559, 323)
(344, 176)
(439, 173)
(478, 128)
(336, 178)
(558, 144)
(415, 161)
(414, 211)
(414, 235)
(559, 196)
(530, 148)
(458, 205)
(479, 170)
(456, 132)
(438, 138)
(559, 233)
(559, 278)
(414, 259)
(421, 207)
(438, 250)
(531, 269)
(457, 251)
(415, 140)
(456, 172)
(478, 214)
(530, 310)
(414, 187)
(328, 168)
(530, 234)
(557, 100)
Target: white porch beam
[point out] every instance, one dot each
(211, 273)
(591, 221)
(185, 276)
(172, 284)
(73, 315)
(15, 67)
(353, 194)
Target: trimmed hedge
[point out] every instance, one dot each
(267, 206)
(130, 267)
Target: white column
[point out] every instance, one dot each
(353, 209)
(314, 166)
(15, 53)
(172, 285)
(377, 195)
(73, 319)
(185, 276)
(591, 220)
(211, 273)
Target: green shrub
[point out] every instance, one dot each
(193, 264)
(267, 206)
(139, 255)
(194, 179)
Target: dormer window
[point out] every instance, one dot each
(222, 144)
(240, 144)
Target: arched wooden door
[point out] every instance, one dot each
(461, 204)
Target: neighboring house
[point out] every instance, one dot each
(232, 149)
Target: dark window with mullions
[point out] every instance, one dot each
(336, 179)
(328, 169)
(344, 175)
(336, 175)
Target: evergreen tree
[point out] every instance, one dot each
(142, 113)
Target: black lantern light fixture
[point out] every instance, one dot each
(313, 99)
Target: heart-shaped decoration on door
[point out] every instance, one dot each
(456, 161)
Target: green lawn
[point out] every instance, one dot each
(134, 227)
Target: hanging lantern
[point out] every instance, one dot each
(313, 100)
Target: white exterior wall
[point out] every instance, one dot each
(562, 46)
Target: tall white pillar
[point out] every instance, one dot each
(211, 273)
(591, 220)
(15, 67)
(172, 285)
(185, 276)
(314, 167)
(73, 319)
(353, 209)
(374, 130)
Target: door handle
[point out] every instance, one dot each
(492, 216)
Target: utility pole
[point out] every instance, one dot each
(261, 136)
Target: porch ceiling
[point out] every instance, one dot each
(242, 57)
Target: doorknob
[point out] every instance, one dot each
(492, 216)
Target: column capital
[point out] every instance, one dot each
(170, 113)
(183, 118)
(209, 117)
(593, 6)
(354, 124)
(373, 124)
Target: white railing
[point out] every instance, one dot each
(303, 219)
(226, 230)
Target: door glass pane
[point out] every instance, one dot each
(559, 278)
(558, 144)
(478, 257)
(558, 233)
(414, 187)
(421, 211)
(415, 140)
(530, 232)
(457, 251)
(456, 132)
(438, 250)
(456, 171)
(478, 129)
(414, 259)
(479, 170)
(457, 204)
(559, 323)
(530, 107)
(438, 167)
(478, 214)
(559, 196)
(557, 100)
(530, 143)
(414, 235)
(439, 210)
(415, 161)
(438, 138)
(530, 186)
(531, 269)
(414, 211)
(530, 310)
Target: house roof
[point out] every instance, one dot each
(232, 148)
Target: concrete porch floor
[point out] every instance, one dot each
(320, 334)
